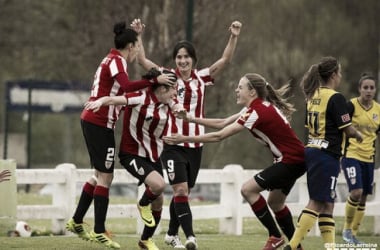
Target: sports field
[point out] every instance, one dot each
(253, 237)
(124, 230)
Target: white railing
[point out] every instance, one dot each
(230, 210)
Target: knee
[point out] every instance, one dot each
(105, 179)
(158, 187)
(244, 190)
(275, 206)
(356, 194)
(181, 190)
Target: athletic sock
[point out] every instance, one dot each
(305, 222)
(100, 208)
(350, 210)
(358, 218)
(262, 213)
(326, 225)
(184, 215)
(285, 221)
(147, 197)
(149, 231)
(173, 222)
(84, 203)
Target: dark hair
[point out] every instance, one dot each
(265, 91)
(365, 76)
(188, 46)
(123, 35)
(318, 75)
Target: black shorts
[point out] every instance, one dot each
(100, 143)
(182, 164)
(280, 176)
(139, 167)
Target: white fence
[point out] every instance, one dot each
(230, 210)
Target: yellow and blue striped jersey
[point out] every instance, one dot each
(326, 116)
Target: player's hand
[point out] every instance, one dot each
(180, 113)
(167, 79)
(93, 105)
(235, 28)
(5, 175)
(137, 26)
(359, 137)
(173, 139)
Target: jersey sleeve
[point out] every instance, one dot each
(130, 86)
(350, 108)
(337, 107)
(248, 118)
(135, 98)
(205, 77)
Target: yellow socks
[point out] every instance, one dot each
(326, 225)
(305, 222)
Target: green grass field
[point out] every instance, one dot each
(254, 236)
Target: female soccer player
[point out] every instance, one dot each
(265, 115)
(111, 79)
(145, 119)
(182, 162)
(327, 118)
(359, 159)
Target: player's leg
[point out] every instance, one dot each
(251, 193)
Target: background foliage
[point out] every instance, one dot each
(66, 39)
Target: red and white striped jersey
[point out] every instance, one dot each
(269, 126)
(105, 84)
(190, 94)
(145, 121)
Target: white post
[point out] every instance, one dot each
(231, 199)
(64, 196)
(8, 197)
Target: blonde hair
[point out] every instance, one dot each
(265, 91)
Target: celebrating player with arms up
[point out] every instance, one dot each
(183, 161)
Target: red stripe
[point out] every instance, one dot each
(181, 199)
(101, 191)
(157, 214)
(88, 188)
(282, 213)
(259, 204)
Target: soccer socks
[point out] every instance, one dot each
(184, 215)
(262, 213)
(84, 203)
(100, 208)
(350, 211)
(285, 221)
(149, 231)
(326, 225)
(359, 215)
(305, 222)
(147, 197)
(173, 222)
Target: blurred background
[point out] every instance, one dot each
(65, 40)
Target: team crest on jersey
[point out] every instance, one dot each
(181, 92)
(375, 117)
(345, 118)
(141, 171)
(108, 164)
(353, 181)
(333, 194)
(171, 176)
